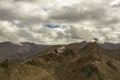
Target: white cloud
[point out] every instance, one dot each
(8, 31)
(23, 20)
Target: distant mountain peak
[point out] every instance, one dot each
(7, 42)
(92, 45)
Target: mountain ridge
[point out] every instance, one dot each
(74, 62)
(21, 51)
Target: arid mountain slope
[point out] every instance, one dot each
(65, 62)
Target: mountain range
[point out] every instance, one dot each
(75, 61)
(23, 50)
(20, 51)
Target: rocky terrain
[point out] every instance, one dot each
(65, 62)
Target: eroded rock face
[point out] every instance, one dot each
(73, 63)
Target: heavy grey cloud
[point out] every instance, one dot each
(25, 13)
(77, 13)
(92, 12)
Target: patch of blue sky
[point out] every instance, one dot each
(54, 26)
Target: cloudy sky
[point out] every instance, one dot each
(59, 21)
